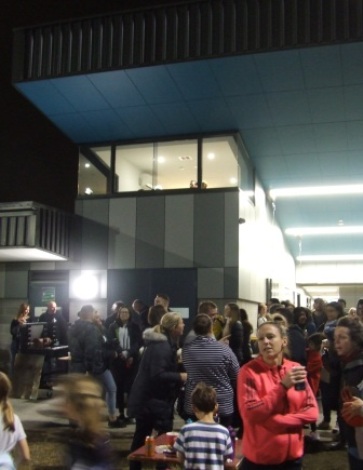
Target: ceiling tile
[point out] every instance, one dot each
(290, 107)
(354, 102)
(213, 114)
(352, 64)
(75, 127)
(322, 66)
(141, 120)
(331, 136)
(270, 167)
(155, 84)
(297, 139)
(280, 71)
(326, 104)
(46, 97)
(116, 88)
(236, 75)
(199, 74)
(355, 135)
(81, 93)
(298, 163)
(108, 125)
(261, 142)
(334, 164)
(176, 118)
(250, 111)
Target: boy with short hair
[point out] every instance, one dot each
(204, 444)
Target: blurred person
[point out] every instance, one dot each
(196, 443)
(360, 309)
(303, 319)
(273, 411)
(164, 300)
(233, 329)
(262, 314)
(352, 312)
(330, 378)
(318, 314)
(247, 332)
(12, 435)
(86, 346)
(343, 303)
(56, 324)
(314, 365)
(279, 318)
(156, 386)
(128, 342)
(88, 445)
(297, 341)
(348, 339)
(21, 318)
(114, 308)
(141, 310)
(211, 309)
(207, 360)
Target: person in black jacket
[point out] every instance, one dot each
(234, 330)
(153, 393)
(87, 356)
(127, 337)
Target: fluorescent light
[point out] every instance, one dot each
(316, 191)
(313, 258)
(340, 230)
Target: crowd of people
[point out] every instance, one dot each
(264, 386)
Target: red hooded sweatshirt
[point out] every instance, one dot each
(273, 417)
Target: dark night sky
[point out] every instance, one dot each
(38, 163)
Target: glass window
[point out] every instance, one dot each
(90, 178)
(176, 164)
(134, 167)
(159, 165)
(104, 153)
(220, 162)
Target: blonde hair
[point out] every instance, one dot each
(6, 406)
(168, 322)
(84, 395)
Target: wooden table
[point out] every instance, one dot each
(150, 462)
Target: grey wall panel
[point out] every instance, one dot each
(211, 283)
(231, 283)
(209, 230)
(78, 207)
(95, 234)
(231, 211)
(150, 232)
(16, 280)
(122, 221)
(179, 230)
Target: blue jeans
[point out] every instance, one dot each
(109, 386)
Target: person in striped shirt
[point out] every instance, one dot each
(205, 444)
(207, 360)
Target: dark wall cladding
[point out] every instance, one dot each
(190, 30)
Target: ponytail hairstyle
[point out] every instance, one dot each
(6, 407)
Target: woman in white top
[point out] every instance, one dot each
(12, 432)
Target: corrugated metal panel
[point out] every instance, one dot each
(40, 227)
(193, 30)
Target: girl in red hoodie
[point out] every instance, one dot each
(272, 407)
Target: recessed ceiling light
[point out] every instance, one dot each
(161, 159)
(211, 156)
(88, 191)
(322, 258)
(341, 230)
(87, 165)
(233, 180)
(317, 191)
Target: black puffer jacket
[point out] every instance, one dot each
(157, 382)
(85, 343)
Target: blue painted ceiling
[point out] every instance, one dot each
(299, 112)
